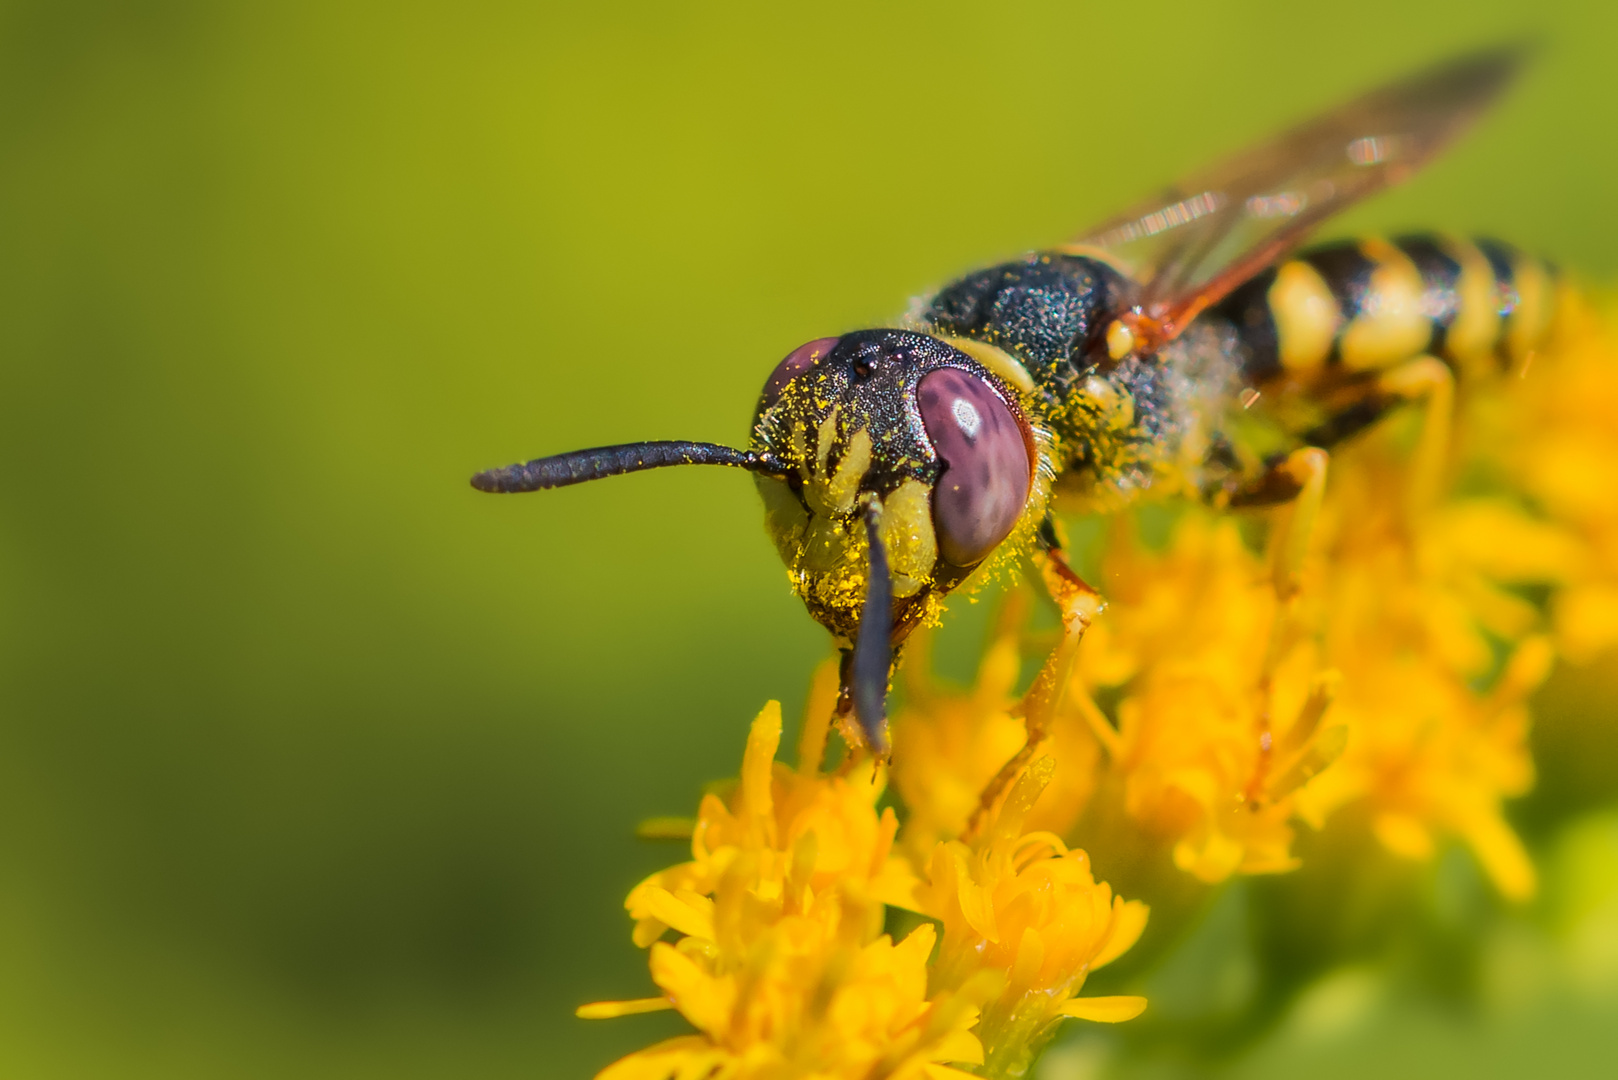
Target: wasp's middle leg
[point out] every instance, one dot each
(1297, 481)
(1079, 604)
(1299, 477)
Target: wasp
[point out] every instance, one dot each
(1184, 347)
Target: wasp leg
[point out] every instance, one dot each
(1079, 605)
(1428, 380)
(1297, 484)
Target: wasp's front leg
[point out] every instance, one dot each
(1079, 604)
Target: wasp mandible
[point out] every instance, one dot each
(1177, 349)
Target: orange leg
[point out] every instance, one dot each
(1297, 486)
(1079, 605)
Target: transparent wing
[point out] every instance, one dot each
(1197, 241)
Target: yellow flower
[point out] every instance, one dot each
(1205, 749)
(1213, 735)
(1551, 433)
(781, 964)
(1427, 616)
(1208, 715)
(948, 744)
(1022, 906)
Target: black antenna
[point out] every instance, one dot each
(873, 647)
(560, 470)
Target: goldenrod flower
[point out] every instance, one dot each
(1215, 718)
(1207, 745)
(1024, 907)
(1219, 701)
(782, 965)
(1207, 714)
(1414, 614)
(951, 743)
(1551, 433)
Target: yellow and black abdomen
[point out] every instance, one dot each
(1364, 306)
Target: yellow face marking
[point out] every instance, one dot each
(1306, 316)
(834, 495)
(1392, 324)
(1472, 336)
(798, 441)
(824, 438)
(785, 518)
(907, 534)
(1120, 340)
(1001, 364)
(825, 546)
(1528, 322)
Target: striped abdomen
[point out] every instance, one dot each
(1367, 305)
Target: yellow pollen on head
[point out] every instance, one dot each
(824, 438)
(785, 517)
(907, 534)
(1391, 324)
(1120, 340)
(845, 482)
(1306, 315)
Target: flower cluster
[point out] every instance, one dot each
(1238, 687)
(780, 962)
(1023, 904)
(1208, 712)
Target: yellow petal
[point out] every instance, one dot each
(977, 905)
(897, 885)
(647, 930)
(1404, 836)
(688, 913)
(666, 828)
(686, 1054)
(607, 1010)
(962, 1046)
(1503, 857)
(1128, 920)
(758, 762)
(1213, 861)
(1105, 1010)
(934, 1071)
(917, 945)
(1030, 955)
(701, 999)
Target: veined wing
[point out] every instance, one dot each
(1198, 240)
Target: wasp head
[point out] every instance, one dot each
(903, 421)
(891, 466)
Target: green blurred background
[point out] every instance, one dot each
(315, 762)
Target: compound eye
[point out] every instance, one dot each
(798, 361)
(986, 477)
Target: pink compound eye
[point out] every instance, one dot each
(798, 361)
(986, 477)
